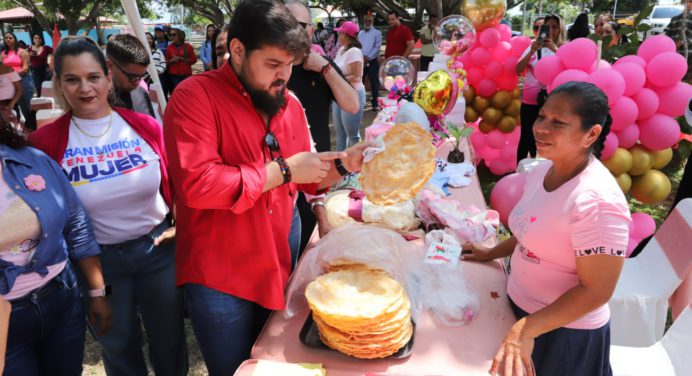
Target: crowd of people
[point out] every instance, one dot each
(114, 218)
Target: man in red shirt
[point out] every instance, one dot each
(180, 57)
(399, 38)
(239, 151)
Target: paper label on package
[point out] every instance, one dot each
(442, 253)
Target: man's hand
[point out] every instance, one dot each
(307, 168)
(353, 162)
(100, 314)
(314, 62)
(323, 225)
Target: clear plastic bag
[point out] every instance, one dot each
(440, 288)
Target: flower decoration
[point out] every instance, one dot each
(35, 183)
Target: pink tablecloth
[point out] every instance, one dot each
(437, 350)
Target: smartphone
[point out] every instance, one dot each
(543, 33)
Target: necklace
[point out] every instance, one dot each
(110, 121)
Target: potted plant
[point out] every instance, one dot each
(458, 133)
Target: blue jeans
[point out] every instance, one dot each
(294, 236)
(174, 80)
(225, 326)
(25, 101)
(46, 335)
(348, 125)
(142, 278)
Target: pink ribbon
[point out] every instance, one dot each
(355, 205)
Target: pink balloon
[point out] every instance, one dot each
(659, 132)
(510, 65)
(496, 139)
(611, 82)
(634, 76)
(666, 69)
(628, 136)
(568, 76)
(478, 140)
(509, 154)
(519, 45)
(644, 226)
(547, 68)
(502, 51)
(466, 60)
(506, 194)
(631, 245)
(624, 113)
(490, 38)
(647, 101)
(480, 56)
(580, 54)
(655, 45)
(631, 59)
(499, 167)
(507, 81)
(505, 32)
(513, 137)
(474, 75)
(611, 143)
(673, 100)
(486, 88)
(494, 68)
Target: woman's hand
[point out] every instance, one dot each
(167, 235)
(548, 43)
(100, 314)
(515, 351)
(353, 162)
(476, 252)
(535, 46)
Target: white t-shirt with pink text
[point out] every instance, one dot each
(586, 216)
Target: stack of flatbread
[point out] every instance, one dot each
(402, 169)
(359, 311)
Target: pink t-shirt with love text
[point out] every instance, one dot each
(586, 216)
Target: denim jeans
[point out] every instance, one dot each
(39, 75)
(25, 101)
(225, 326)
(372, 74)
(46, 335)
(294, 237)
(174, 80)
(348, 125)
(142, 278)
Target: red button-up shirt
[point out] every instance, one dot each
(230, 236)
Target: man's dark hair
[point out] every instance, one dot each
(127, 49)
(320, 25)
(214, 37)
(258, 23)
(394, 13)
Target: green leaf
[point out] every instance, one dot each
(595, 37)
(626, 30)
(643, 27)
(466, 132)
(643, 14)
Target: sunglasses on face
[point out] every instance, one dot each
(132, 77)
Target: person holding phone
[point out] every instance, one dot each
(551, 35)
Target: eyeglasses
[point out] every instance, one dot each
(273, 145)
(132, 77)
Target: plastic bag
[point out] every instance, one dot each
(440, 288)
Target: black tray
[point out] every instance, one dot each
(310, 337)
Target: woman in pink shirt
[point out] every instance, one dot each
(18, 59)
(570, 234)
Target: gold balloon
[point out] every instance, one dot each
(514, 108)
(492, 115)
(483, 13)
(480, 103)
(624, 181)
(470, 115)
(507, 124)
(485, 127)
(516, 93)
(501, 99)
(650, 188)
(641, 160)
(434, 93)
(661, 158)
(469, 94)
(620, 162)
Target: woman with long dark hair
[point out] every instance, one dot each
(349, 58)
(158, 58)
(205, 50)
(116, 161)
(45, 232)
(18, 59)
(39, 55)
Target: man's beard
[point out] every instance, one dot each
(261, 99)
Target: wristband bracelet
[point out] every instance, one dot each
(340, 167)
(285, 171)
(316, 203)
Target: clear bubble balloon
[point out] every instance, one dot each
(455, 33)
(394, 69)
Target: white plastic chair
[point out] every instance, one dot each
(47, 89)
(670, 356)
(44, 117)
(639, 305)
